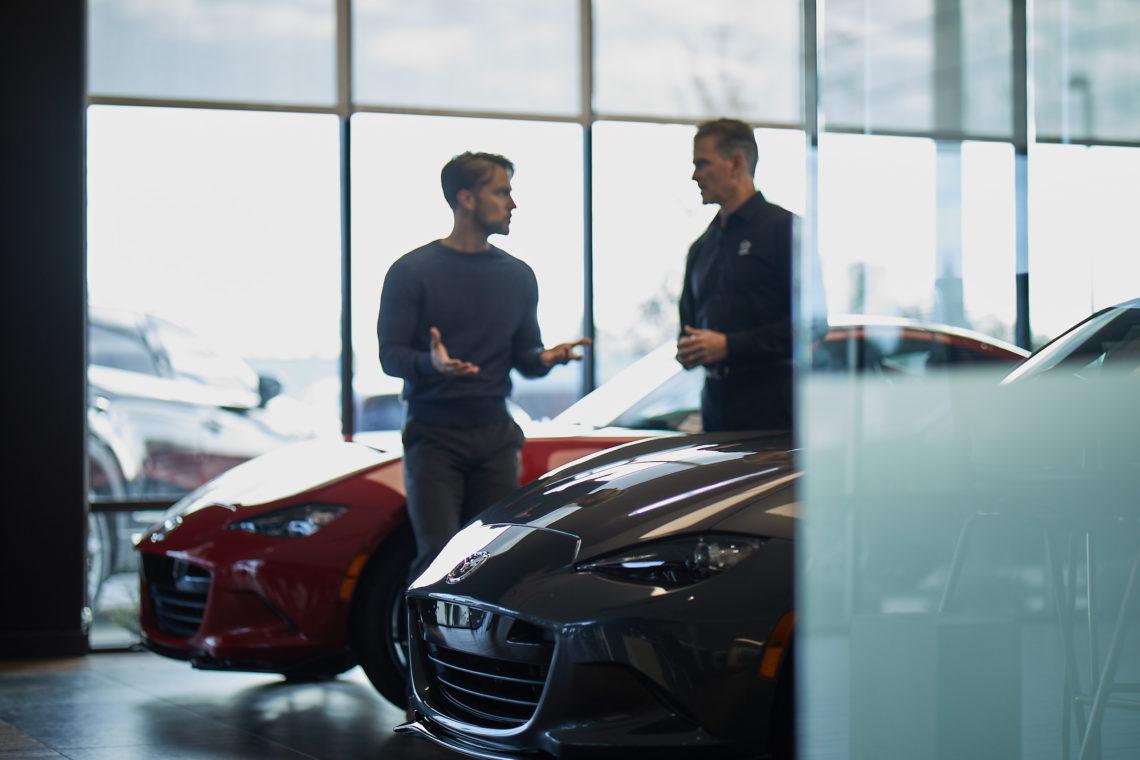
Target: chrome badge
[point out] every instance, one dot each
(467, 566)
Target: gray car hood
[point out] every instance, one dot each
(663, 487)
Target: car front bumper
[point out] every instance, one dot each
(583, 665)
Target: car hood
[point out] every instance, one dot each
(284, 472)
(1106, 339)
(641, 492)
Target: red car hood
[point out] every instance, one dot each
(285, 472)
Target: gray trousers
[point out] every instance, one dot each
(453, 474)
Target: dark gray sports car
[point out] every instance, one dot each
(640, 599)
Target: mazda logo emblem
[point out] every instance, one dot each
(469, 565)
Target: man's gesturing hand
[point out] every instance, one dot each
(701, 347)
(443, 362)
(563, 352)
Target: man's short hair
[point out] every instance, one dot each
(732, 136)
(470, 171)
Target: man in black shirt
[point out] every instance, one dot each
(456, 315)
(736, 300)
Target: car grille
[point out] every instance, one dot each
(178, 592)
(492, 674)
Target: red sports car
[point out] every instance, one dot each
(295, 562)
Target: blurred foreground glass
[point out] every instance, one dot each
(399, 206)
(480, 55)
(271, 51)
(971, 557)
(977, 560)
(731, 58)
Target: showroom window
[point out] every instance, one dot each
(512, 56)
(1083, 250)
(673, 61)
(884, 66)
(892, 243)
(202, 50)
(917, 66)
(1087, 62)
(226, 224)
(399, 206)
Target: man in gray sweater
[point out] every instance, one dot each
(456, 315)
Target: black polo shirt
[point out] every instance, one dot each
(738, 281)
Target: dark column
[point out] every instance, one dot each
(344, 111)
(42, 144)
(1023, 136)
(589, 370)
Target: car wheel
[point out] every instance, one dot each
(105, 482)
(380, 624)
(99, 545)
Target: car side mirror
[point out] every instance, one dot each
(267, 388)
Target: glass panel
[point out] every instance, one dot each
(699, 60)
(399, 206)
(986, 70)
(931, 65)
(1082, 205)
(269, 51)
(877, 237)
(877, 64)
(214, 284)
(1086, 65)
(988, 239)
(640, 244)
(935, 242)
(481, 55)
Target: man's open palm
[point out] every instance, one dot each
(443, 362)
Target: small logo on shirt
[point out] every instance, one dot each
(745, 248)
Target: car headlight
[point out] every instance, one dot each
(676, 562)
(291, 522)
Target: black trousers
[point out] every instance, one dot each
(453, 474)
(747, 400)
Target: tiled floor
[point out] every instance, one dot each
(137, 705)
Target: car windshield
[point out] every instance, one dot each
(653, 393)
(1108, 340)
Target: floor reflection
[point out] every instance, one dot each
(127, 705)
